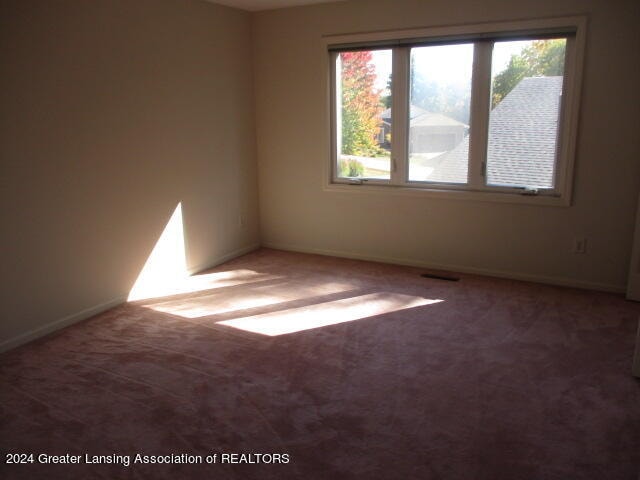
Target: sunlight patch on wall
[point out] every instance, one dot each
(166, 268)
(165, 272)
(328, 313)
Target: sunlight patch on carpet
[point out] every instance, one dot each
(328, 313)
(253, 296)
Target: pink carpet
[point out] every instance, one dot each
(348, 369)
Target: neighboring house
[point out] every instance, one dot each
(428, 133)
(434, 132)
(385, 131)
(522, 132)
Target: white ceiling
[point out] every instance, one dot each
(256, 5)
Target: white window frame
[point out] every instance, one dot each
(483, 35)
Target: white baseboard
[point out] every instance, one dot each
(58, 324)
(89, 312)
(559, 281)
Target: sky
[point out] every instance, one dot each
(453, 62)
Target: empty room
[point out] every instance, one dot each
(307, 239)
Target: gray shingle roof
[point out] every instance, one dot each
(522, 142)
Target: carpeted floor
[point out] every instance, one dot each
(348, 369)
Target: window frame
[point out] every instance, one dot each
(483, 36)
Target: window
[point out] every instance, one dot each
(363, 117)
(489, 110)
(439, 94)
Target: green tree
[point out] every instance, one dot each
(361, 104)
(541, 58)
(386, 100)
(350, 168)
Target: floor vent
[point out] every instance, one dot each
(440, 276)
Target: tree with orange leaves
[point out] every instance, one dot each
(361, 104)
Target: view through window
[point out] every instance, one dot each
(440, 96)
(364, 112)
(513, 118)
(525, 111)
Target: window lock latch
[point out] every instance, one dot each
(531, 191)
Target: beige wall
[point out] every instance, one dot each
(113, 111)
(514, 240)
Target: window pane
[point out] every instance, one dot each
(363, 122)
(439, 113)
(526, 79)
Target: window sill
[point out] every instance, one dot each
(440, 193)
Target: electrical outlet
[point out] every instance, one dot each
(579, 245)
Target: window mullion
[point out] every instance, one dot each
(336, 115)
(480, 109)
(399, 115)
(564, 130)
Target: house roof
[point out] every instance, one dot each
(423, 118)
(524, 151)
(429, 119)
(414, 112)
